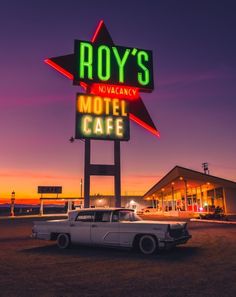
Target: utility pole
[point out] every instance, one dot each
(81, 188)
(205, 168)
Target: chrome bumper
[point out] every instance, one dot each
(43, 236)
(175, 241)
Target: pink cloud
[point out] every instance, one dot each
(188, 78)
(35, 175)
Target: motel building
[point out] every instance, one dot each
(186, 190)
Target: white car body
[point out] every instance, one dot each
(148, 210)
(115, 227)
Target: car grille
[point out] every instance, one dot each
(176, 233)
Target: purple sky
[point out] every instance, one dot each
(193, 104)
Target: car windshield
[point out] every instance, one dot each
(128, 216)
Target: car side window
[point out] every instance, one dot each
(125, 216)
(115, 217)
(85, 216)
(102, 216)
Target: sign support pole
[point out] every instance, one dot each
(102, 170)
(87, 157)
(117, 173)
(91, 120)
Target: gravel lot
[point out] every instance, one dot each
(206, 266)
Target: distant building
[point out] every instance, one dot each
(189, 190)
(134, 202)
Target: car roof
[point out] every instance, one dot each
(104, 209)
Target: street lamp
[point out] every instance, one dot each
(13, 194)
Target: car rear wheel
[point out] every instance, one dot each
(147, 244)
(63, 241)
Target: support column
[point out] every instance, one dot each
(201, 205)
(224, 201)
(162, 202)
(69, 206)
(185, 196)
(173, 198)
(87, 154)
(214, 199)
(153, 203)
(196, 189)
(41, 207)
(192, 200)
(117, 173)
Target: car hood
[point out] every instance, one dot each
(173, 224)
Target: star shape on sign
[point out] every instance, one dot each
(66, 66)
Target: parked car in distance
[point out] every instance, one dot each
(148, 210)
(113, 227)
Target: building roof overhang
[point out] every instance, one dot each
(179, 177)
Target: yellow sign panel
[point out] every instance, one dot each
(100, 117)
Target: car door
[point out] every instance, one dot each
(104, 231)
(127, 230)
(80, 228)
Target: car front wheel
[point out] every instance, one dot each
(147, 244)
(63, 241)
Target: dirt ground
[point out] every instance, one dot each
(206, 266)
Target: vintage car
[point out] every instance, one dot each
(113, 227)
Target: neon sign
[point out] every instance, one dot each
(105, 69)
(113, 65)
(101, 118)
(123, 92)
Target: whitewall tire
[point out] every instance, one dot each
(63, 241)
(147, 244)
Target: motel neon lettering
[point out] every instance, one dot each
(101, 105)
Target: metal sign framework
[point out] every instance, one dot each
(66, 65)
(102, 170)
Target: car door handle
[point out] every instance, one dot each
(72, 225)
(93, 226)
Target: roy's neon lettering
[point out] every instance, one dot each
(113, 65)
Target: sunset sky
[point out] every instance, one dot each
(193, 104)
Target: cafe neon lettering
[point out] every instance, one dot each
(100, 126)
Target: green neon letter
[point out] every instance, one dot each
(86, 60)
(143, 77)
(121, 62)
(104, 51)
